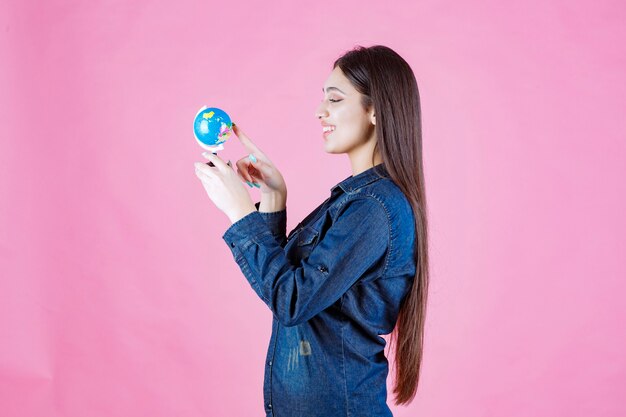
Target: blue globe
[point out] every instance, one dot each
(212, 127)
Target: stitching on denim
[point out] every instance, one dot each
(271, 214)
(258, 236)
(312, 234)
(254, 240)
(245, 245)
(345, 379)
(390, 235)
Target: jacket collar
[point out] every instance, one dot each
(354, 182)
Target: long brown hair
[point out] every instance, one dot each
(387, 82)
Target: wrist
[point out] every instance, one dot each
(240, 214)
(273, 201)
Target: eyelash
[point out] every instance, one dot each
(333, 101)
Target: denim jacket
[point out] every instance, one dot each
(334, 285)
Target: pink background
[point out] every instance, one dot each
(118, 296)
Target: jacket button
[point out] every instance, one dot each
(269, 406)
(232, 244)
(270, 363)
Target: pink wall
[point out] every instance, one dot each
(111, 301)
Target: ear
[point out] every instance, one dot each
(373, 119)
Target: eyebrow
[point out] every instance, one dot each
(333, 88)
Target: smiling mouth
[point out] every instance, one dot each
(327, 130)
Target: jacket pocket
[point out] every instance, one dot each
(307, 236)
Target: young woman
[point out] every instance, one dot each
(355, 268)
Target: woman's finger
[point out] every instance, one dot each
(205, 170)
(204, 178)
(254, 173)
(246, 142)
(243, 166)
(240, 174)
(217, 161)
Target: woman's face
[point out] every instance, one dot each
(342, 110)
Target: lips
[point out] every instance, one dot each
(327, 130)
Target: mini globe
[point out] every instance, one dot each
(212, 127)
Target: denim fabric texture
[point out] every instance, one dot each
(334, 286)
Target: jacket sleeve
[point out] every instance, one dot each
(355, 244)
(277, 223)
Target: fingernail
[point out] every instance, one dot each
(252, 158)
(249, 184)
(256, 185)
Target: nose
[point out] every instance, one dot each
(321, 111)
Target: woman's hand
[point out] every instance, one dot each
(224, 188)
(257, 167)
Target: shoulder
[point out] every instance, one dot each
(401, 225)
(392, 199)
(362, 208)
(380, 201)
(400, 216)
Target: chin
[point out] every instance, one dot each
(329, 148)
